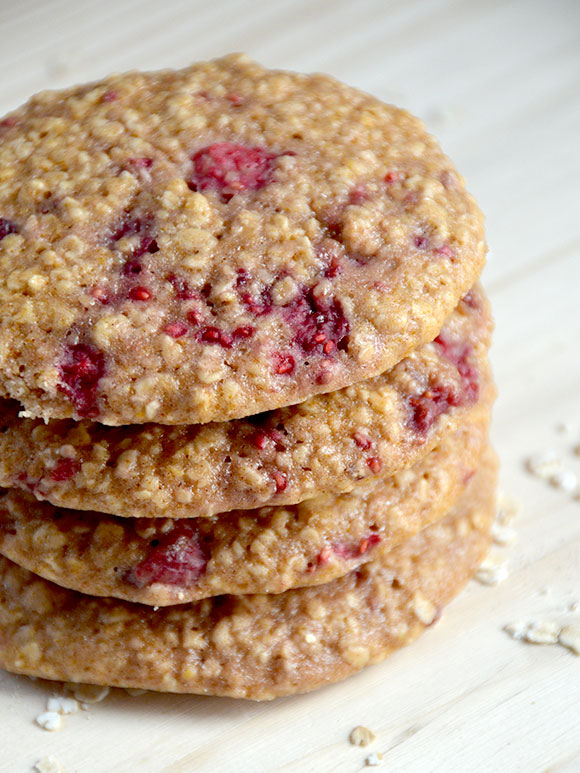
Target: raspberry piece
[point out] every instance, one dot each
(230, 168)
(243, 332)
(261, 438)
(101, 295)
(9, 122)
(445, 250)
(261, 305)
(350, 552)
(280, 480)
(175, 329)
(392, 177)
(358, 195)
(374, 464)
(439, 398)
(65, 469)
(146, 244)
(421, 242)
(470, 299)
(81, 369)
(213, 335)
(320, 323)
(131, 225)
(140, 163)
(6, 227)
(132, 268)
(177, 560)
(110, 96)
(458, 353)
(284, 363)
(181, 286)
(139, 294)
(363, 441)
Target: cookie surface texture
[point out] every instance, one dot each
(211, 243)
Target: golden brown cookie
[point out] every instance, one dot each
(160, 561)
(325, 445)
(215, 242)
(256, 647)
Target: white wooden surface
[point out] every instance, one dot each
(499, 83)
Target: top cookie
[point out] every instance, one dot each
(207, 244)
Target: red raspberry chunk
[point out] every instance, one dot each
(81, 369)
(320, 323)
(176, 560)
(440, 397)
(65, 469)
(6, 227)
(139, 294)
(231, 168)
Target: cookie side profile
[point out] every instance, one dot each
(327, 444)
(211, 243)
(257, 647)
(161, 562)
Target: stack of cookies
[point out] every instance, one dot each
(243, 356)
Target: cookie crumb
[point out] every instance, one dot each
(374, 759)
(361, 736)
(62, 705)
(49, 720)
(570, 637)
(503, 535)
(492, 571)
(544, 465)
(576, 450)
(89, 693)
(508, 509)
(565, 480)
(535, 632)
(48, 764)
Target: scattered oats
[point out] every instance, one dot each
(89, 693)
(564, 428)
(48, 765)
(570, 637)
(544, 632)
(49, 720)
(361, 736)
(503, 535)
(574, 606)
(134, 692)
(507, 509)
(62, 705)
(576, 449)
(536, 632)
(374, 759)
(492, 571)
(517, 630)
(25, 415)
(543, 465)
(565, 480)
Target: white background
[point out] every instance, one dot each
(499, 83)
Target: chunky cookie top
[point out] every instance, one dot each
(206, 244)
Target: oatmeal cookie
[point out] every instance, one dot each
(324, 445)
(161, 562)
(256, 647)
(211, 243)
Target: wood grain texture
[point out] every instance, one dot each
(499, 83)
